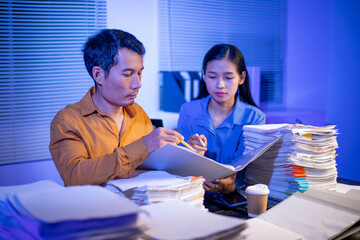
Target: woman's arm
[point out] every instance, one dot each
(224, 185)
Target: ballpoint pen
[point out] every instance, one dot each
(201, 141)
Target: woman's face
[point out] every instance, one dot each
(222, 81)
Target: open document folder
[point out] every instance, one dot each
(318, 214)
(178, 220)
(184, 162)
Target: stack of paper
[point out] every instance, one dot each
(159, 186)
(77, 212)
(303, 158)
(9, 226)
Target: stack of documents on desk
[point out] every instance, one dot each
(79, 212)
(148, 187)
(303, 158)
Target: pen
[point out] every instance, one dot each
(187, 145)
(201, 141)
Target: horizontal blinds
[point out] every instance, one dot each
(41, 69)
(187, 30)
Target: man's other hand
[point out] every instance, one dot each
(160, 137)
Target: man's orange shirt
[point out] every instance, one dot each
(87, 148)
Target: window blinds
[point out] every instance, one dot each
(41, 69)
(187, 30)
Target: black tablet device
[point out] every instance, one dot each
(230, 200)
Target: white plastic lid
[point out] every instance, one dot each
(258, 189)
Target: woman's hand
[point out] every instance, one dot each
(195, 142)
(225, 185)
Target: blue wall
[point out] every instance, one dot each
(343, 106)
(322, 69)
(307, 53)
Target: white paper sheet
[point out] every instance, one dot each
(259, 229)
(46, 184)
(315, 214)
(75, 203)
(178, 220)
(150, 179)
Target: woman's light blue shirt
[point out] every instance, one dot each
(226, 142)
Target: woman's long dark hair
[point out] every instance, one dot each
(232, 53)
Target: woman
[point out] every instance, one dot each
(224, 107)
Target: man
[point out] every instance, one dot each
(106, 135)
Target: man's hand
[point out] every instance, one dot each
(195, 142)
(225, 185)
(160, 137)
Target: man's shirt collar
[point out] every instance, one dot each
(88, 107)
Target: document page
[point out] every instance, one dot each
(74, 203)
(252, 155)
(149, 179)
(316, 214)
(184, 162)
(179, 220)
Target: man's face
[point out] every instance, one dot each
(122, 85)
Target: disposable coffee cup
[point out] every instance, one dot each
(257, 197)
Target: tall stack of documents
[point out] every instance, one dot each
(303, 158)
(56, 212)
(148, 187)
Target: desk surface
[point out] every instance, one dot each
(232, 198)
(347, 224)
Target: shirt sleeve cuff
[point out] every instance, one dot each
(137, 152)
